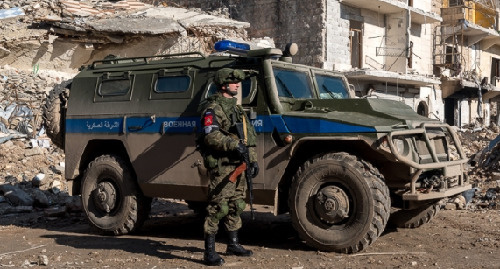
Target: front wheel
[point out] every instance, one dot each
(111, 197)
(339, 203)
(415, 218)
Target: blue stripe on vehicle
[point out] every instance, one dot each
(111, 125)
(262, 124)
(304, 125)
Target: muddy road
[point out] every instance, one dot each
(172, 238)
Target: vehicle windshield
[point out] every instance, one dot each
(292, 84)
(331, 87)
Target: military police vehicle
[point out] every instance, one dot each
(339, 165)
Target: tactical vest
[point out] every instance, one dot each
(228, 113)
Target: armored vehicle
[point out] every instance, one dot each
(340, 165)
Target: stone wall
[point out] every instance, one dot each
(337, 35)
(302, 22)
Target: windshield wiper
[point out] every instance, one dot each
(283, 85)
(328, 91)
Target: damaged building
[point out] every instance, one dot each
(440, 57)
(68, 34)
(467, 58)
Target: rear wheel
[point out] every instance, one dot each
(111, 197)
(415, 218)
(198, 207)
(54, 112)
(339, 203)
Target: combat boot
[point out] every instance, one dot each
(210, 256)
(234, 248)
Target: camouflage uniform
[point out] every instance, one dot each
(226, 199)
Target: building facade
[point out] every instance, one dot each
(440, 57)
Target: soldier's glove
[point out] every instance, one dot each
(254, 168)
(242, 151)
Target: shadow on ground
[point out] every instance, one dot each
(173, 227)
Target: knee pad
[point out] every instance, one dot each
(221, 210)
(240, 206)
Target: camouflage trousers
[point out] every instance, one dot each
(226, 200)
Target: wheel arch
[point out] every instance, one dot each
(95, 148)
(307, 148)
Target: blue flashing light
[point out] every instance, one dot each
(227, 45)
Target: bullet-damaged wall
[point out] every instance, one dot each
(373, 39)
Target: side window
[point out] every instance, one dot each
(172, 84)
(114, 87)
(331, 87)
(292, 84)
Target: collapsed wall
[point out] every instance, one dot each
(64, 35)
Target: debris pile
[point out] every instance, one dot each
(31, 169)
(482, 146)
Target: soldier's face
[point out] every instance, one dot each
(232, 89)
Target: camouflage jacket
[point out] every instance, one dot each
(220, 137)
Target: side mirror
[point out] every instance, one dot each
(252, 115)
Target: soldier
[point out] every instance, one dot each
(223, 153)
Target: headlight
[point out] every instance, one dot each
(402, 146)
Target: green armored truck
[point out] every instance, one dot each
(340, 165)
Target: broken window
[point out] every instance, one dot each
(355, 43)
(454, 3)
(495, 71)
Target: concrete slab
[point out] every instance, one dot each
(423, 17)
(380, 6)
(88, 8)
(190, 18)
(148, 25)
(492, 92)
(391, 77)
(151, 21)
(393, 6)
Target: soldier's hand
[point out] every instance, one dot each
(242, 151)
(254, 168)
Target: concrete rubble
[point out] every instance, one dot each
(481, 145)
(64, 34)
(31, 173)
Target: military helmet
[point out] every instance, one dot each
(229, 75)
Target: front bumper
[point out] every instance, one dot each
(454, 181)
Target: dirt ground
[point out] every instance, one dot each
(172, 238)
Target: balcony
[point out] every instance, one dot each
(392, 6)
(391, 77)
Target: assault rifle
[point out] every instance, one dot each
(245, 166)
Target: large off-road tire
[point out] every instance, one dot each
(339, 203)
(198, 207)
(111, 197)
(414, 218)
(54, 112)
